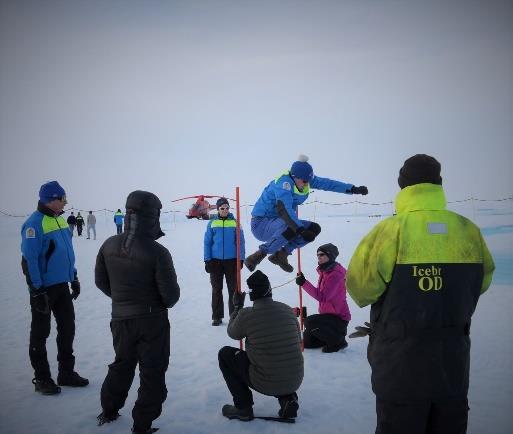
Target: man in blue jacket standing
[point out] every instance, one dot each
(48, 263)
(220, 255)
(274, 217)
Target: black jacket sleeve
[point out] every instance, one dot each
(165, 277)
(101, 278)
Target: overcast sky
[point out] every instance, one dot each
(190, 97)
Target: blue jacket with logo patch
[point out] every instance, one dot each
(283, 189)
(47, 250)
(220, 240)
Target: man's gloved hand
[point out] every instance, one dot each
(40, 302)
(362, 331)
(300, 279)
(208, 266)
(359, 190)
(289, 234)
(238, 299)
(307, 235)
(75, 288)
(241, 264)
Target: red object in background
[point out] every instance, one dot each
(200, 209)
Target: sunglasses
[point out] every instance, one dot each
(224, 208)
(62, 198)
(321, 254)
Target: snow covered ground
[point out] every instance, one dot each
(336, 395)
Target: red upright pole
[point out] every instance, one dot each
(301, 319)
(237, 237)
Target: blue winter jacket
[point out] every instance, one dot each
(118, 218)
(284, 189)
(47, 250)
(220, 240)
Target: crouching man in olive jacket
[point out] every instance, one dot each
(137, 273)
(272, 363)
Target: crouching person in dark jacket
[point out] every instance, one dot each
(272, 363)
(138, 274)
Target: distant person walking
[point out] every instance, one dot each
(48, 263)
(80, 224)
(91, 225)
(137, 273)
(118, 220)
(72, 222)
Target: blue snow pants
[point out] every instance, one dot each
(270, 231)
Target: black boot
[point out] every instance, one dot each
(46, 386)
(232, 412)
(280, 258)
(105, 417)
(334, 348)
(71, 379)
(148, 431)
(254, 259)
(217, 322)
(288, 406)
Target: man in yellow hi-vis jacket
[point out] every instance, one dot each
(422, 271)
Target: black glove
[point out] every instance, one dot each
(40, 303)
(75, 288)
(361, 331)
(289, 234)
(241, 264)
(238, 299)
(359, 190)
(300, 279)
(208, 267)
(307, 235)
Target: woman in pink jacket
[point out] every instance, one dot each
(328, 328)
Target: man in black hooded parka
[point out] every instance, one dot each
(137, 273)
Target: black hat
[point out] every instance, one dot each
(144, 203)
(330, 250)
(259, 285)
(221, 201)
(419, 169)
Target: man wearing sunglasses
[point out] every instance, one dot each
(220, 255)
(274, 217)
(48, 263)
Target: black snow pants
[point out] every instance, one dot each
(61, 304)
(441, 417)
(79, 230)
(324, 329)
(144, 341)
(222, 268)
(234, 364)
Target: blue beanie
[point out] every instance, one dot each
(302, 169)
(51, 191)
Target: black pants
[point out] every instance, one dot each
(234, 365)
(448, 417)
(61, 305)
(324, 329)
(223, 269)
(79, 230)
(144, 341)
